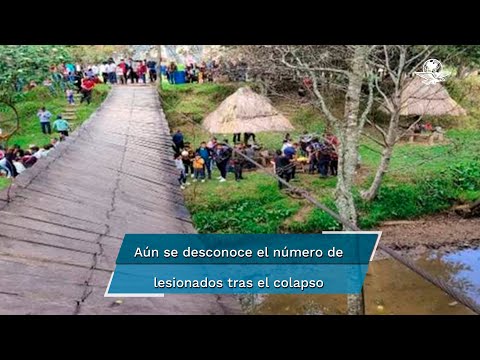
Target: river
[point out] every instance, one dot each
(393, 289)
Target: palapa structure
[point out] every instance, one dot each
(429, 100)
(246, 111)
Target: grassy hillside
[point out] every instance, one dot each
(422, 180)
(30, 131)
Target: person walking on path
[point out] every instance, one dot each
(141, 71)
(112, 72)
(133, 67)
(152, 70)
(44, 116)
(87, 87)
(122, 74)
(61, 125)
(104, 72)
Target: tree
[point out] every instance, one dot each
(95, 54)
(332, 70)
(395, 66)
(465, 57)
(20, 64)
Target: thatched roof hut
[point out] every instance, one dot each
(431, 100)
(246, 111)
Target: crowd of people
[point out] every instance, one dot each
(135, 71)
(320, 153)
(199, 163)
(83, 78)
(192, 72)
(66, 77)
(428, 128)
(110, 72)
(15, 160)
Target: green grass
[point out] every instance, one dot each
(30, 130)
(191, 102)
(4, 182)
(250, 206)
(422, 179)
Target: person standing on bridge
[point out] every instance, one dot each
(152, 70)
(112, 72)
(141, 71)
(133, 67)
(44, 116)
(122, 71)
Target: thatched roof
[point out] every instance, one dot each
(421, 99)
(246, 111)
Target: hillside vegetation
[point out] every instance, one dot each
(422, 179)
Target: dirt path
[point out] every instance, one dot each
(443, 231)
(61, 231)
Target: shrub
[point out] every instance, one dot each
(244, 217)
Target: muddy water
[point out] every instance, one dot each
(392, 289)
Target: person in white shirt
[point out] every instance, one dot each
(120, 75)
(19, 166)
(95, 69)
(112, 72)
(104, 72)
(286, 144)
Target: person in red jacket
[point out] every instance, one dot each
(87, 87)
(142, 71)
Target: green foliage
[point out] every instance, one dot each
(316, 221)
(23, 63)
(20, 64)
(4, 182)
(248, 217)
(254, 205)
(30, 132)
(467, 93)
(433, 193)
(95, 54)
(465, 55)
(186, 102)
(466, 175)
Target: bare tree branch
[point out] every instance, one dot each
(368, 108)
(409, 128)
(373, 139)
